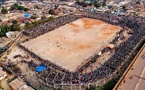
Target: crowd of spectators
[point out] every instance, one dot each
(57, 75)
(51, 25)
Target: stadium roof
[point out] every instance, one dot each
(111, 46)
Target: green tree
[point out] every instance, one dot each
(96, 3)
(16, 5)
(14, 22)
(124, 7)
(15, 27)
(84, 4)
(33, 17)
(138, 2)
(36, 6)
(26, 9)
(12, 7)
(92, 88)
(43, 18)
(78, 1)
(4, 11)
(50, 18)
(7, 28)
(28, 26)
(104, 3)
(4, 30)
(20, 8)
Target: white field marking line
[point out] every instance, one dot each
(36, 44)
(43, 55)
(79, 35)
(49, 59)
(48, 42)
(93, 51)
(89, 55)
(37, 50)
(72, 53)
(47, 52)
(79, 63)
(109, 37)
(44, 41)
(61, 65)
(53, 61)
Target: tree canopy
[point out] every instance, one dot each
(18, 7)
(4, 11)
(15, 27)
(96, 3)
(4, 29)
(104, 3)
(52, 11)
(36, 6)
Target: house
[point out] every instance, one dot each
(3, 74)
(19, 84)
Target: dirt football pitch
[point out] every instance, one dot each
(71, 45)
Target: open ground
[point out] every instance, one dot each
(71, 45)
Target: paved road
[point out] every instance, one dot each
(135, 77)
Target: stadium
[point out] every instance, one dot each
(83, 49)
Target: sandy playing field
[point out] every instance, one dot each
(70, 45)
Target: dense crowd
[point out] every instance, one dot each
(57, 75)
(51, 25)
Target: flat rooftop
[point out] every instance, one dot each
(135, 77)
(70, 45)
(19, 84)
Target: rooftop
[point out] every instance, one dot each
(19, 84)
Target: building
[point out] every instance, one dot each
(2, 74)
(19, 84)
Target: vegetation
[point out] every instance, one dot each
(0, 53)
(4, 11)
(18, 7)
(124, 7)
(108, 86)
(15, 26)
(96, 3)
(50, 18)
(43, 19)
(104, 3)
(52, 12)
(5, 28)
(92, 88)
(28, 26)
(33, 17)
(84, 4)
(36, 6)
(138, 2)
